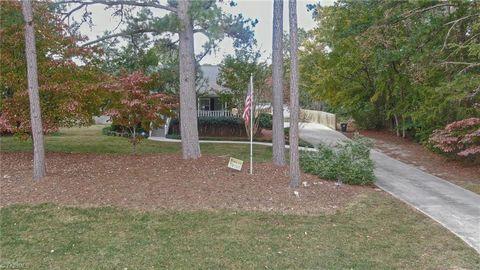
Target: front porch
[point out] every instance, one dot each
(217, 113)
(212, 106)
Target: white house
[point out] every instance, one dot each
(208, 93)
(208, 98)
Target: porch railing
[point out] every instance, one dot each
(216, 113)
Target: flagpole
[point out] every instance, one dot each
(252, 118)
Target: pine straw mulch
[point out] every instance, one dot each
(166, 182)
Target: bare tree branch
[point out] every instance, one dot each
(460, 63)
(463, 18)
(68, 14)
(119, 2)
(448, 35)
(121, 34)
(453, 23)
(467, 64)
(422, 10)
(199, 57)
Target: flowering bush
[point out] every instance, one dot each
(459, 139)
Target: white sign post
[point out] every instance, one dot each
(252, 118)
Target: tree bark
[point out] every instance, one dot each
(294, 96)
(278, 137)
(39, 170)
(397, 125)
(134, 140)
(188, 104)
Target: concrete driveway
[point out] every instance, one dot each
(457, 209)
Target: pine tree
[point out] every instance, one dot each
(39, 170)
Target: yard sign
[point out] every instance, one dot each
(235, 164)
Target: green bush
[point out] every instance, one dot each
(349, 162)
(321, 163)
(118, 130)
(221, 126)
(265, 120)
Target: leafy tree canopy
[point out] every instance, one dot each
(412, 65)
(69, 93)
(235, 71)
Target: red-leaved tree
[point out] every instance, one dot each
(460, 138)
(135, 107)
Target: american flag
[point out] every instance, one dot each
(247, 109)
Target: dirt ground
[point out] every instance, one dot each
(166, 182)
(415, 154)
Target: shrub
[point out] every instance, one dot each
(118, 130)
(265, 120)
(349, 162)
(221, 126)
(460, 139)
(321, 163)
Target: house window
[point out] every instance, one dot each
(204, 104)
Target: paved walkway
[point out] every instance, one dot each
(457, 209)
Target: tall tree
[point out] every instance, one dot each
(188, 108)
(234, 74)
(294, 96)
(278, 137)
(39, 170)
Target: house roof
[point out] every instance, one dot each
(208, 85)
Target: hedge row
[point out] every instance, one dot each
(221, 126)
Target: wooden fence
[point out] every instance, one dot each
(324, 118)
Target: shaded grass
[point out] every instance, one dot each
(91, 140)
(377, 232)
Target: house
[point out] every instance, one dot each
(209, 102)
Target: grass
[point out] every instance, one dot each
(377, 232)
(91, 140)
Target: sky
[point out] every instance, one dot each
(262, 10)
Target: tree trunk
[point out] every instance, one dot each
(39, 170)
(278, 137)
(188, 108)
(294, 96)
(134, 140)
(397, 126)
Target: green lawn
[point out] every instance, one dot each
(378, 232)
(91, 140)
